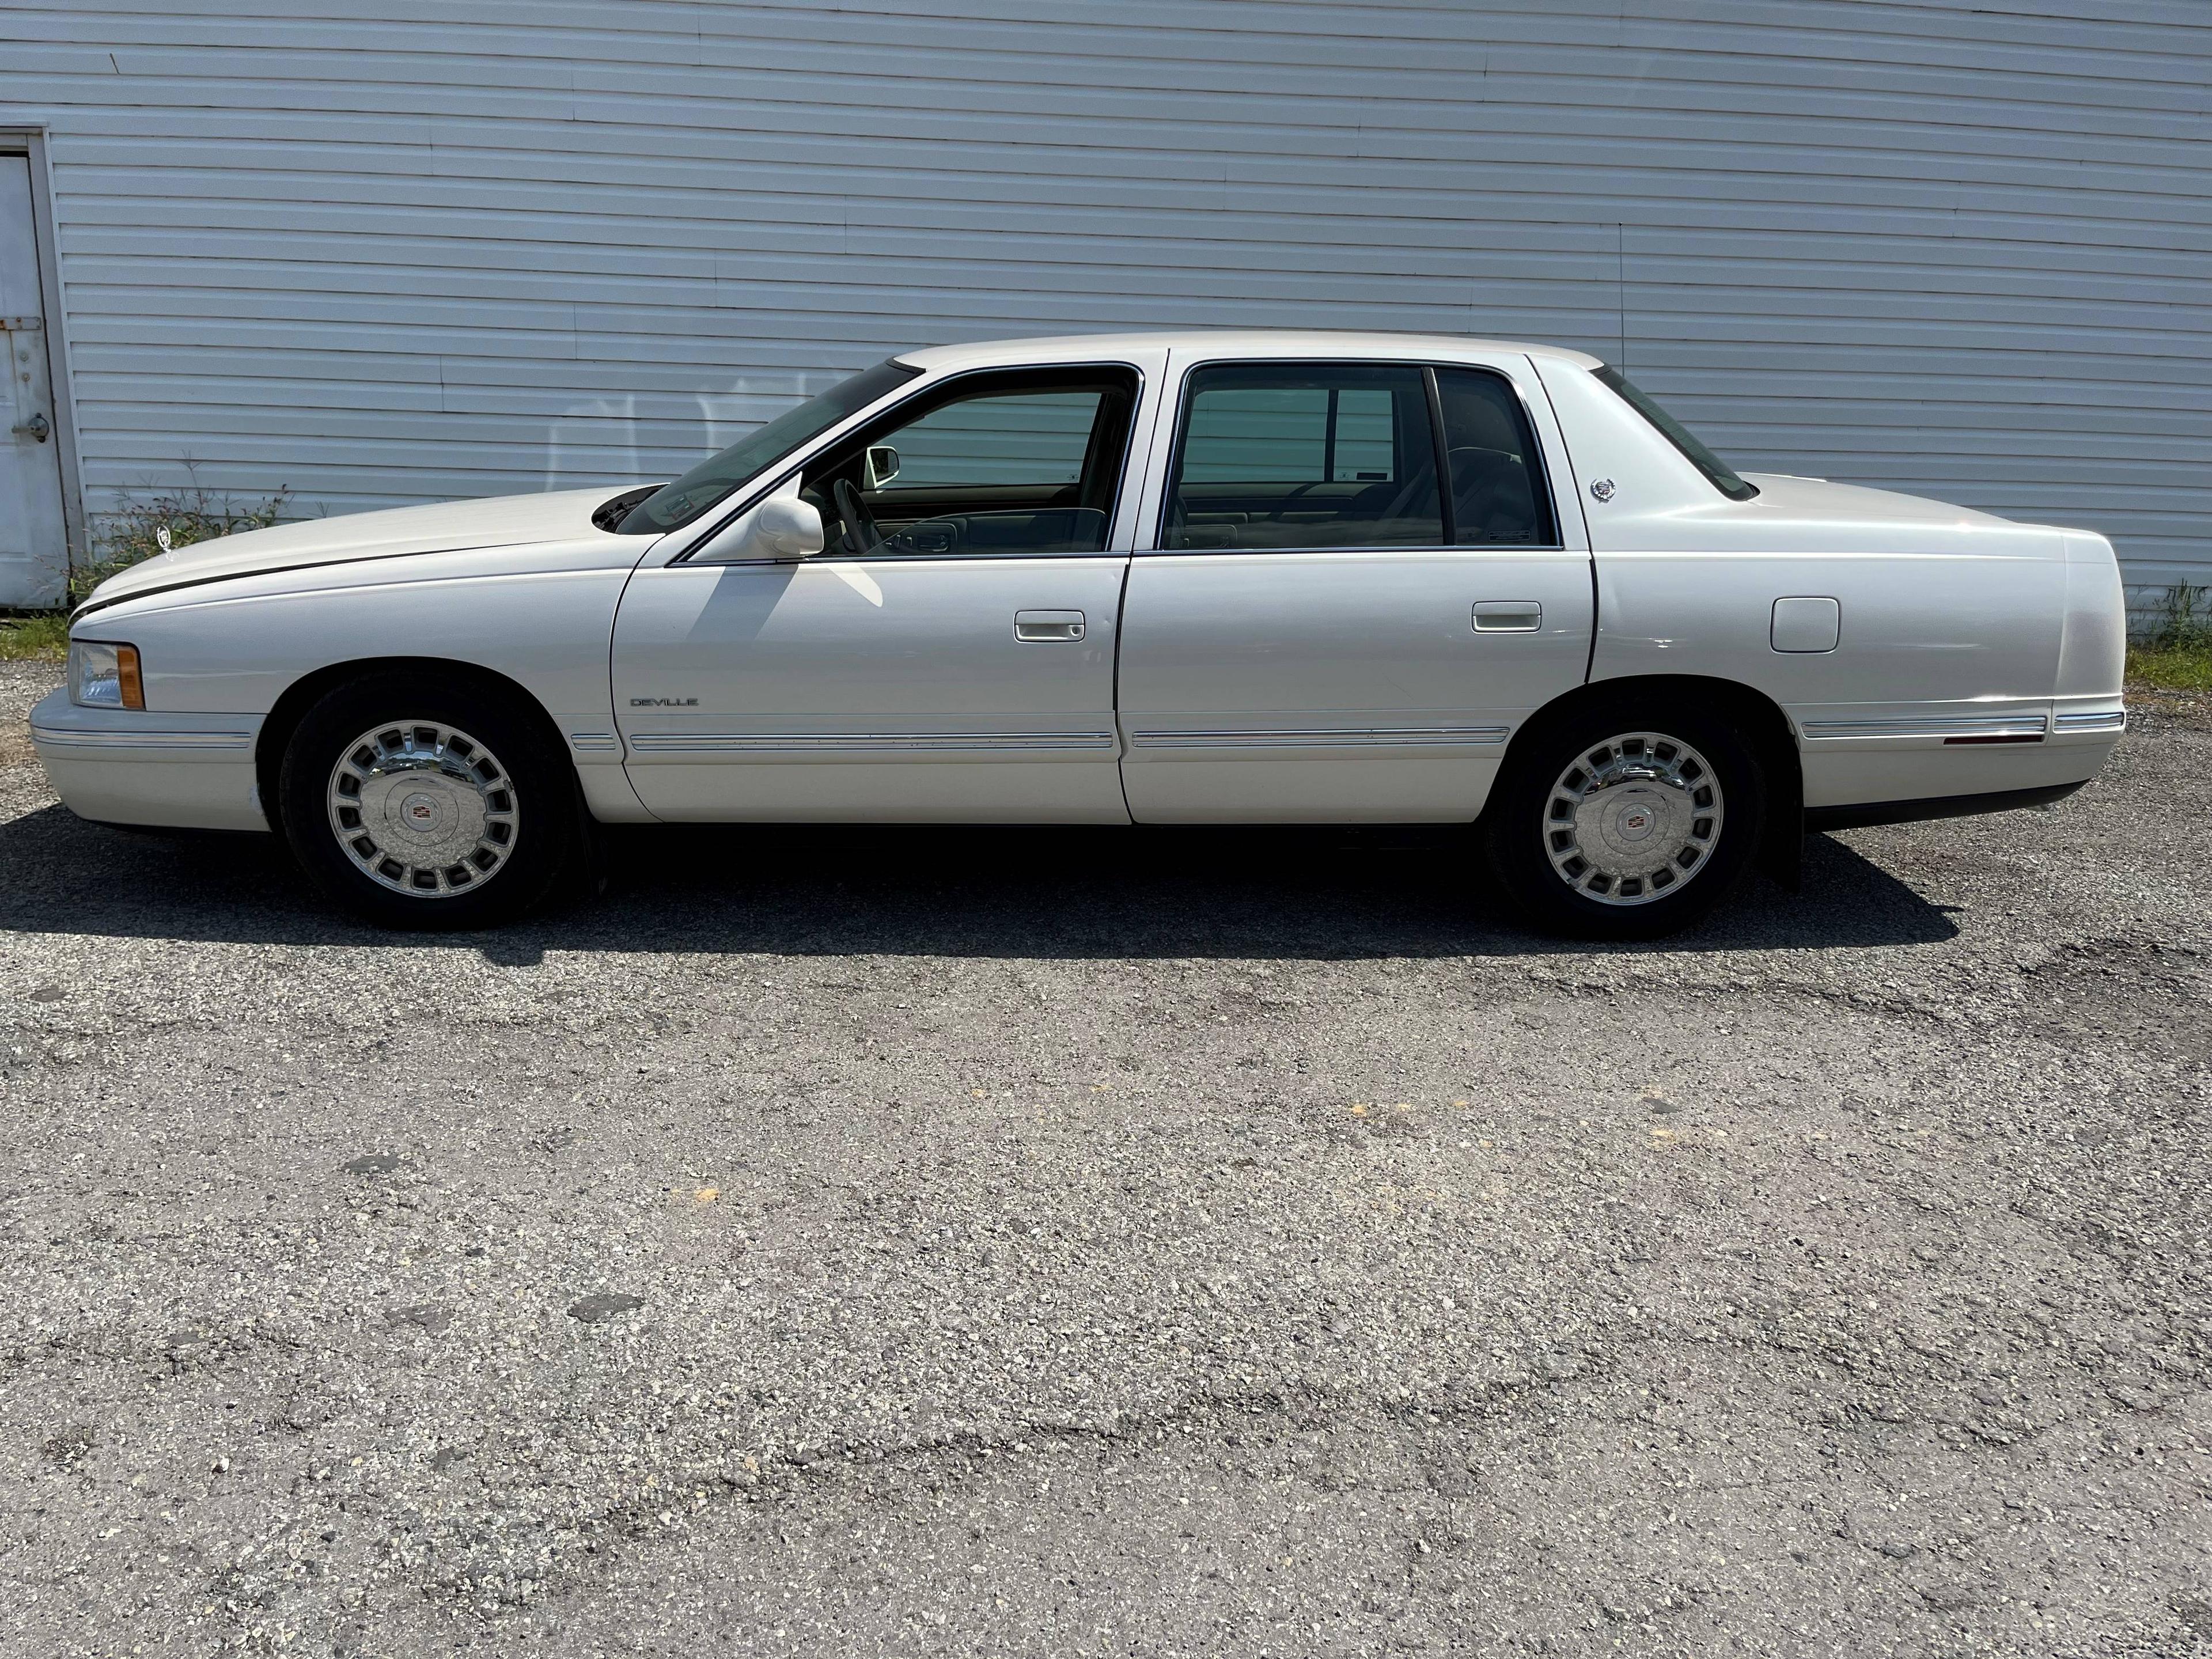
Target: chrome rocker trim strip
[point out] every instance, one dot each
(55, 738)
(1411, 737)
(864, 743)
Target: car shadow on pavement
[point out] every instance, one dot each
(933, 891)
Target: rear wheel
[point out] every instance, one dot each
(1617, 821)
(429, 801)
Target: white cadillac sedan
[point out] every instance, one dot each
(1187, 578)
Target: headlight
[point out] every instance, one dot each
(103, 675)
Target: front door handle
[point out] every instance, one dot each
(1036, 627)
(1508, 616)
(37, 427)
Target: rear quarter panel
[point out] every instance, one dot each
(1952, 621)
(1934, 647)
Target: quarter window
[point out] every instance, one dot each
(1304, 455)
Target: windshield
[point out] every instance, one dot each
(673, 506)
(1722, 477)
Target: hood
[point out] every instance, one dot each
(1816, 498)
(445, 527)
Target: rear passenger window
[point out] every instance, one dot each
(1497, 493)
(1304, 455)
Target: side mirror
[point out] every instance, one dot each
(880, 466)
(787, 527)
(783, 526)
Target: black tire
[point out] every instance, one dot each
(1537, 819)
(504, 825)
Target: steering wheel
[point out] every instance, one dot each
(860, 532)
(1291, 500)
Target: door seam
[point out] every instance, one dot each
(1575, 493)
(614, 710)
(1120, 738)
(1128, 565)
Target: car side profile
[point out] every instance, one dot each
(1187, 578)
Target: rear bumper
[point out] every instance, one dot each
(131, 766)
(1897, 764)
(1933, 806)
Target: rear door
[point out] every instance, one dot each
(1360, 584)
(950, 654)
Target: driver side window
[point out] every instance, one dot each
(1008, 464)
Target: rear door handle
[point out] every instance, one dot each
(1508, 616)
(1036, 627)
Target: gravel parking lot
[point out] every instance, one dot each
(1077, 1243)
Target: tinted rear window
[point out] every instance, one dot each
(1716, 471)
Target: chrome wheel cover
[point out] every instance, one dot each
(1633, 818)
(423, 809)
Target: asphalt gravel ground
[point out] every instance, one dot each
(1231, 1244)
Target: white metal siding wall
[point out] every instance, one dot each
(380, 250)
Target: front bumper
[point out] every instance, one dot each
(134, 766)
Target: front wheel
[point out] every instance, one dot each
(428, 801)
(1625, 822)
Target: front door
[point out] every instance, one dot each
(1362, 585)
(949, 656)
(33, 543)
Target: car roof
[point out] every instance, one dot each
(1228, 343)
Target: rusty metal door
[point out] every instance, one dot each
(33, 540)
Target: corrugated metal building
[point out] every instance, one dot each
(382, 251)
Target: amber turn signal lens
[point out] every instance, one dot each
(126, 672)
